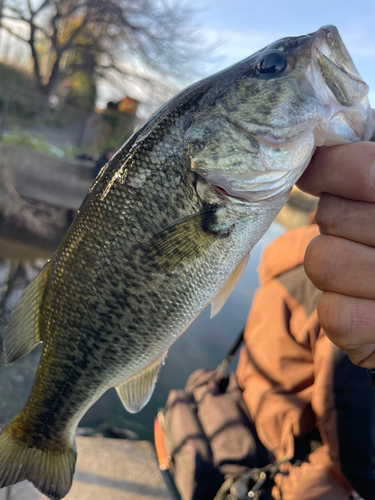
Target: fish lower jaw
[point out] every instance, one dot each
(266, 187)
(233, 198)
(343, 125)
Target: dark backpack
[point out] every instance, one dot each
(210, 440)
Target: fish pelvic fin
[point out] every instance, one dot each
(136, 392)
(50, 470)
(220, 298)
(22, 333)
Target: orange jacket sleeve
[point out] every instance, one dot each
(288, 370)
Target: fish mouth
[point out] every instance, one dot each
(340, 91)
(328, 42)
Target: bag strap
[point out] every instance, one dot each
(253, 484)
(222, 368)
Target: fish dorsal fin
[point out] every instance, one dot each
(22, 333)
(136, 392)
(181, 241)
(221, 297)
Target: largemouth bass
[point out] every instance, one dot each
(165, 230)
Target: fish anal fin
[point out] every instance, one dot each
(136, 392)
(221, 297)
(22, 333)
(181, 242)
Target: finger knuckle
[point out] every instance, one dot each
(335, 320)
(326, 214)
(316, 266)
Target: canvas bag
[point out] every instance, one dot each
(209, 435)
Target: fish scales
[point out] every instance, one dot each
(99, 342)
(165, 229)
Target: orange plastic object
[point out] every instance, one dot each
(161, 451)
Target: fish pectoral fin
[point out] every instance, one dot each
(22, 333)
(179, 243)
(136, 392)
(220, 298)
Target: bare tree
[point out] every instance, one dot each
(104, 36)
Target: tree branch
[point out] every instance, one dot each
(54, 28)
(42, 30)
(69, 42)
(156, 35)
(14, 18)
(42, 6)
(34, 53)
(30, 9)
(15, 11)
(71, 10)
(14, 34)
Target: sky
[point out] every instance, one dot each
(245, 26)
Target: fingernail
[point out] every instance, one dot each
(372, 176)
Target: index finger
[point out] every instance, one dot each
(347, 170)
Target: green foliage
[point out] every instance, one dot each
(82, 91)
(37, 142)
(112, 119)
(112, 130)
(108, 140)
(11, 75)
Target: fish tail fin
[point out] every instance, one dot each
(50, 471)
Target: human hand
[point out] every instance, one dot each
(341, 261)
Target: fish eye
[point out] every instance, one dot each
(273, 63)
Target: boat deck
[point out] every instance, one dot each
(107, 469)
